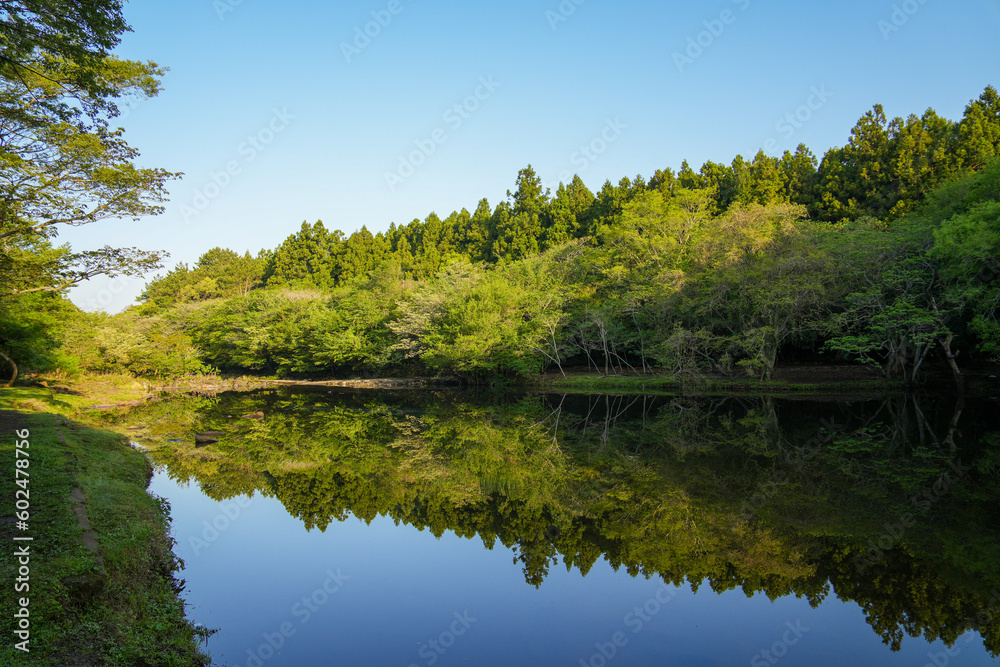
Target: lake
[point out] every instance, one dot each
(431, 527)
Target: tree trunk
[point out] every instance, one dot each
(604, 344)
(13, 377)
(953, 426)
(952, 356)
(555, 349)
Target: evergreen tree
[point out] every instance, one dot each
(978, 140)
(799, 176)
(688, 178)
(767, 181)
(309, 258)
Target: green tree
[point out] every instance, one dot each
(767, 180)
(967, 250)
(61, 160)
(689, 178)
(32, 328)
(519, 234)
(218, 273)
(479, 323)
(891, 316)
(80, 32)
(309, 258)
(978, 141)
(759, 283)
(799, 176)
(144, 346)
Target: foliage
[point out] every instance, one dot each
(883, 252)
(31, 328)
(144, 347)
(62, 162)
(477, 323)
(219, 273)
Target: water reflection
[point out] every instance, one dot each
(886, 503)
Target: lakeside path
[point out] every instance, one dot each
(89, 548)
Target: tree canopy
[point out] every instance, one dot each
(62, 162)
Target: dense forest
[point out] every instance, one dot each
(884, 252)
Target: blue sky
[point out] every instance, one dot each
(283, 112)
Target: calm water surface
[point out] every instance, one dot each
(414, 528)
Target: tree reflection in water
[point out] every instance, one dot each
(806, 497)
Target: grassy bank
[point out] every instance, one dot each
(133, 617)
(802, 379)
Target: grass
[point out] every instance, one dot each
(593, 382)
(668, 385)
(138, 617)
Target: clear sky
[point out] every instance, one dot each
(380, 111)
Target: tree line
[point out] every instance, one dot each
(885, 252)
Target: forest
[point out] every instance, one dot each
(885, 252)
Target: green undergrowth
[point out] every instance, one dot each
(137, 618)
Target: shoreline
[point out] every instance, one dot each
(100, 549)
(100, 392)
